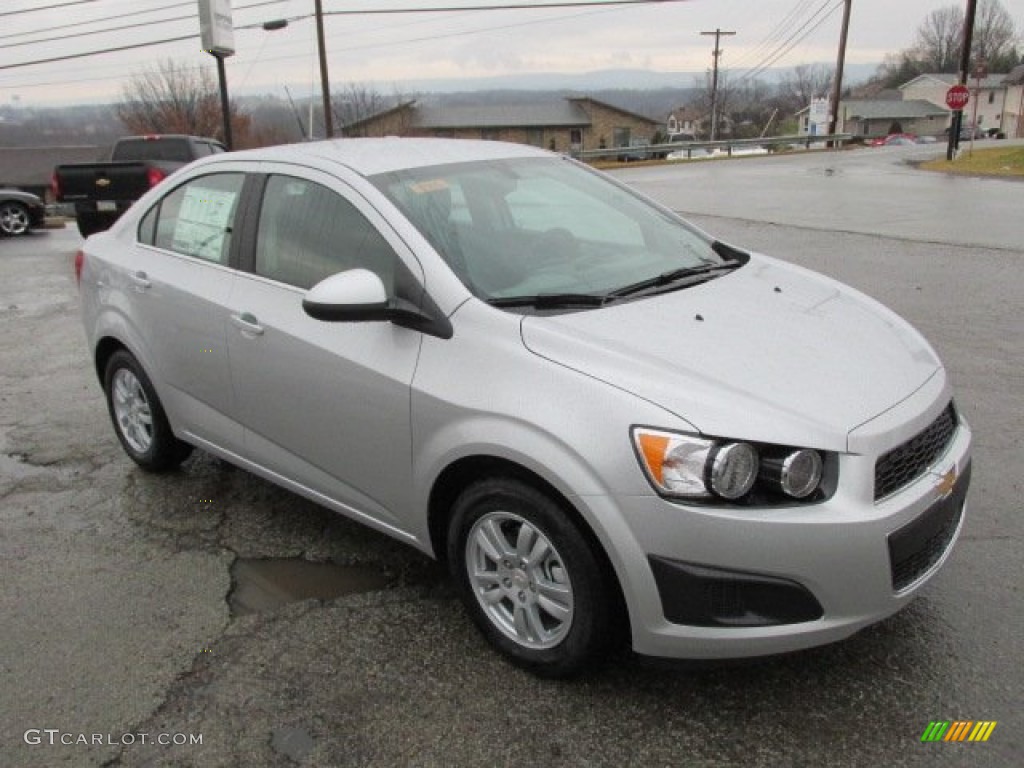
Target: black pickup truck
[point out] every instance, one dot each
(101, 192)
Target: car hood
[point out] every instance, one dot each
(769, 352)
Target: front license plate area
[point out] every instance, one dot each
(921, 543)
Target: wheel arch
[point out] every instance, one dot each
(105, 349)
(463, 472)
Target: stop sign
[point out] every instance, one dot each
(957, 97)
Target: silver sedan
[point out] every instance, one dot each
(612, 426)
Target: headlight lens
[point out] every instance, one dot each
(797, 473)
(702, 468)
(733, 469)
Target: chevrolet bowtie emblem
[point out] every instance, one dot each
(102, 182)
(946, 483)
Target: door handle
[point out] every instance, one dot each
(140, 280)
(248, 324)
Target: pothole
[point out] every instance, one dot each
(262, 585)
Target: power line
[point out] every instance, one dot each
(98, 20)
(47, 7)
(798, 36)
(781, 28)
(374, 11)
(99, 31)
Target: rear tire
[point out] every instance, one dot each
(529, 578)
(138, 417)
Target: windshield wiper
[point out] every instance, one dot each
(684, 274)
(549, 301)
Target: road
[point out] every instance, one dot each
(132, 607)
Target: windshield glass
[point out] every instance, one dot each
(543, 227)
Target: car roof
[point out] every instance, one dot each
(369, 157)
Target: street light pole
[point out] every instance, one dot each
(225, 105)
(324, 84)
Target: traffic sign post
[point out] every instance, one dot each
(956, 99)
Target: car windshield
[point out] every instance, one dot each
(551, 231)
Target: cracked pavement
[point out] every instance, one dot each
(115, 619)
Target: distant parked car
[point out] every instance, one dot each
(894, 140)
(968, 132)
(637, 150)
(20, 212)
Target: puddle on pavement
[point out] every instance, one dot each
(262, 585)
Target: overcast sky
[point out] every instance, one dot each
(394, 51)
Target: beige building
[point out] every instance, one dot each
(569, 125)
(988, 95)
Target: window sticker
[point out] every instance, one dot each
(203, 222)
(430, 185)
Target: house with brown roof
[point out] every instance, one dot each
(570, 125)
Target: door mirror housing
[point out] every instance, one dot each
(354, 295)
(359, 296)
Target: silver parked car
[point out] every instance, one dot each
(609, 424)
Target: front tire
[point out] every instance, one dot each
(14, 219)
(528, 577)
(138, 417)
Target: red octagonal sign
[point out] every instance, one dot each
(957, 97)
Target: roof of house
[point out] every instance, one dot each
(991, 81)
(33, 166)
(1016, 76)
(555, 114)
(886, 109)
(565, 113)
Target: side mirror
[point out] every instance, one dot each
(358, 296)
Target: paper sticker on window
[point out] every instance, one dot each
(202, 224)
(430, 185)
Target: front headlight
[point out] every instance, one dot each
(700, 468)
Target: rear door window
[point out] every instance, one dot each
(197, 219)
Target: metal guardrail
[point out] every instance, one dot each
(654, 151)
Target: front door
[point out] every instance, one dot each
(327, 404)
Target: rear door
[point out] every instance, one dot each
(325, 404)
(181, 281)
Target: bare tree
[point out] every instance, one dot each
(994, 37)
(804, 83)
(939, 38)
(176, 98)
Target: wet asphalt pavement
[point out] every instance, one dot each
(136, 608)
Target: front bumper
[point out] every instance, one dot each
(725, 582)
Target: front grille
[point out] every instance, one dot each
(920, 544)
(905, 463)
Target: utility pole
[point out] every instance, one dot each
(714, 80)
(965, 68)
(837, 86)
(324, 85)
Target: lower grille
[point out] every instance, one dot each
(921, 543)
(905, 463)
